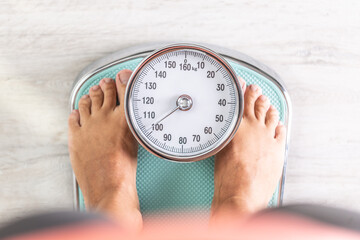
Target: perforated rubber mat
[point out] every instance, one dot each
(166, 187)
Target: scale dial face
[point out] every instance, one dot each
(183, 103)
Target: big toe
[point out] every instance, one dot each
(121, 80)
(109, 89)
(251, 94)
(242, 84)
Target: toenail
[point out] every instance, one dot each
(85, 96)
(96, 87)
(123, 78)
(263, 98)
(253, 87)
(108, 80)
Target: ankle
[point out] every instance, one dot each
(123, 209)
(235, 205)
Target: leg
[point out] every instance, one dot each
(248, 169)
(103, 152)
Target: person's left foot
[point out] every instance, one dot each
(249, 168)
(103, 152)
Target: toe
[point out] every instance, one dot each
(74, 120)
(251, 94)
(84, 107)
(262, 104)
(280, 132)
(242, 84)
(97, 98)
(108, 88)
(121, 80)
(272, 117)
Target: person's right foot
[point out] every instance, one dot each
(103, 153)
(248, 169)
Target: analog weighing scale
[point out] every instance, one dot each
(183, 103)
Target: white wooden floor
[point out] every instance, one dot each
(313, 45)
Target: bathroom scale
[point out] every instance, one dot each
(183, 104)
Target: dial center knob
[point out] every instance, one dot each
(184, 102)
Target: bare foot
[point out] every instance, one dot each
(103, 152)
(248, 169)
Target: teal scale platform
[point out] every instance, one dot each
(166, 187)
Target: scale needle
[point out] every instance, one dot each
(168, 114)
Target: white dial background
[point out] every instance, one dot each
(158, 86)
